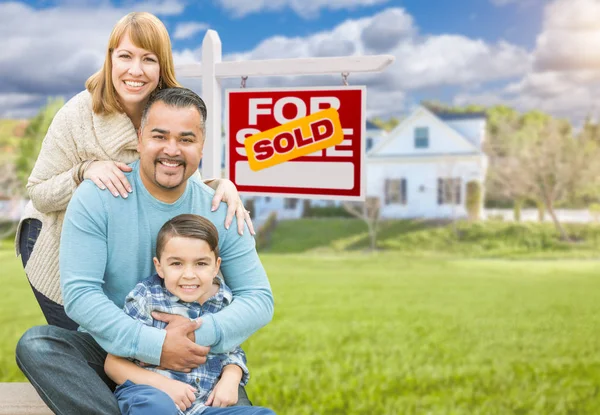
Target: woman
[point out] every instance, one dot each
(94, 137)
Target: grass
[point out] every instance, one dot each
(390, 334)
(18, 311)
(491, 239)
(366, 334)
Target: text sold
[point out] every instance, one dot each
(294, 139)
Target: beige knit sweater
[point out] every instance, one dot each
(75, 135)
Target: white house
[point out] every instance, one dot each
(419, 169)
(422, 167)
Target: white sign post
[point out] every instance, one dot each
(212, 70)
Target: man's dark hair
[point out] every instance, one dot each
(188, 226)
(178, 98)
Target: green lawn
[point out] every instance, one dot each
(18, 311)
(483, 240)
(385, 334)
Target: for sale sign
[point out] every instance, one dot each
(297, 142)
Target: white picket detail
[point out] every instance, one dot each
(291, 67)
(212, 95)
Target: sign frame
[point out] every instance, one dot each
(362, 159)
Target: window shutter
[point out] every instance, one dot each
(387, 191)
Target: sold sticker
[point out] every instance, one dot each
(294, 139)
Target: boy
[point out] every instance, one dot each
(187, 262)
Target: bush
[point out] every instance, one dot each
(474, 200)
(249, 205)
(496, 218)
(541, 208)
(517, 210)
(263, 236)
(595, 211)
(325, 212)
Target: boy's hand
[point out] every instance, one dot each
(181, 393)
(224, 394)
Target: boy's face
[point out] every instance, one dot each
(188, 267)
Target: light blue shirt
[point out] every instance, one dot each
(107, 246)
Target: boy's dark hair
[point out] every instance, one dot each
(188, 226)
(179, 98)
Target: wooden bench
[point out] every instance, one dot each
(21, 399)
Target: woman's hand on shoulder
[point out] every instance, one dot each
(109, 175)
(227, 192)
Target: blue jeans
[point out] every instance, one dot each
(66, 368)
(146, 400)
(54, 312)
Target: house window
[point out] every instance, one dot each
(421, 137)
(289, 203)
(369, 143)
(395, 191)
(449, 191)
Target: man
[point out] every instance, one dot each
(107, 245)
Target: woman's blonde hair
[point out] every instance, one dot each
(146, 31)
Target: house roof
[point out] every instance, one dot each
(452, 116)
(435, 117)
(371, 126)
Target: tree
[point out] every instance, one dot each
(537, 158)
(31, 142)
(369, 212)
(11, 192)
(388, 125)
(436, 106)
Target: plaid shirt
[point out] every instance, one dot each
(151, 295)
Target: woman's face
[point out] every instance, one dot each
(135, 73)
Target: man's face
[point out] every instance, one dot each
(170, 146)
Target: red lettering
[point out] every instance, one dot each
(289, 142)
(263, 150)
(315, 127)
(301, 141)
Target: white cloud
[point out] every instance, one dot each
(421, 61)
(18, 105)
(304, 8)
(52, 51)
(160, 7)
(188, 29)
(565, 77)
(503, 2)
(570, 38)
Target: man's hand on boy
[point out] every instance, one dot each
(179, 353)
(181, 393)
(174, 320)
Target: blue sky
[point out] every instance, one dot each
(529, 54)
